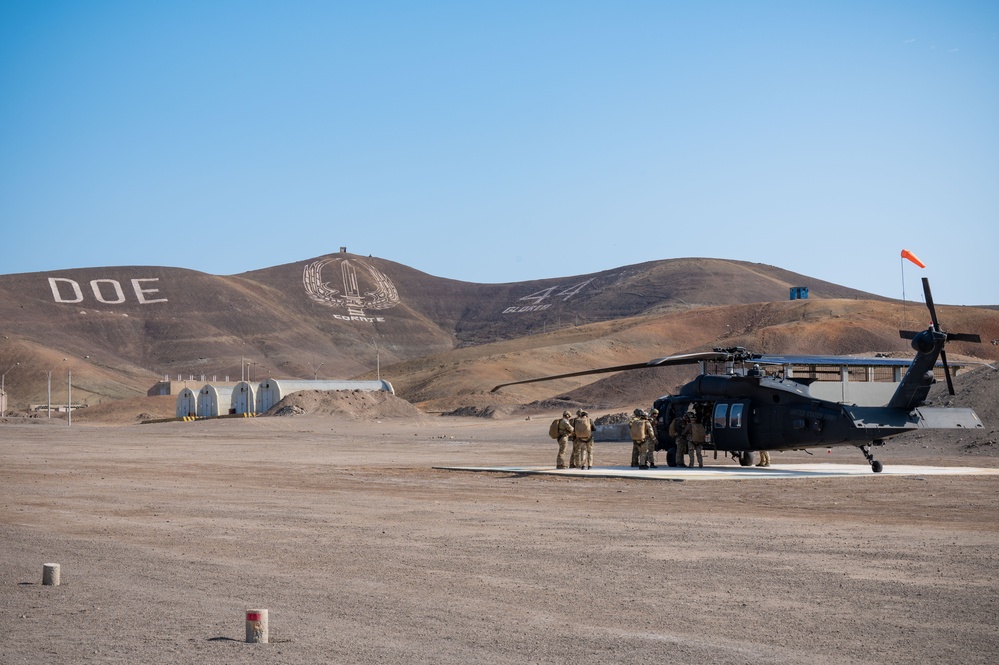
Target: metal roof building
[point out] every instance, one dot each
(244, 398)
(214, 401)
(187, 403)
(272, 391)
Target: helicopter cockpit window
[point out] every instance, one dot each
(735, 418)
(721, 413)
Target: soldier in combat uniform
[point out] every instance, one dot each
(564, 432)
(642, 436)
(650, 444)
(635, 448)
(582, 428)
(697, 439)
(682, 437)
(577, 445)
(677, 435)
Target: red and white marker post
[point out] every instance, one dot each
(256, 626)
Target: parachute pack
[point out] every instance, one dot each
(637, 427)
(553, 429)
(583, 428)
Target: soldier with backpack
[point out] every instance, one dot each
(641, 436)
(582, 442)
(683, 432)
(634, 445)
(697, 438)
(651, 442)
(679, 431)
(561, 430)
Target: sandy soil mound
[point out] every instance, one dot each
(349, 404)
(126, 411)
(490, 411)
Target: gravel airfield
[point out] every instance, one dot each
(363, 552)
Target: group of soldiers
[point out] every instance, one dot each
(689, 431)
(579, 430)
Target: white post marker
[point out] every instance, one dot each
(50, 574)
(256, 626)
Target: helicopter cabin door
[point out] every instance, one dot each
(730, 425)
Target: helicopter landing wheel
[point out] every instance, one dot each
(876, 466)
(671, 456)
(746, 459)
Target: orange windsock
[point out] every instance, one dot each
(906, 254)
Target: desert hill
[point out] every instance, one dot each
(443, 343)
(835, 327)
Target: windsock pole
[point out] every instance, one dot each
(906, 254)
(901, 261)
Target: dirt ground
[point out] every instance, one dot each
(364, 553)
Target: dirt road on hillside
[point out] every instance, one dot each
(363, 553)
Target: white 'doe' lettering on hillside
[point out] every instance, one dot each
(106, 291)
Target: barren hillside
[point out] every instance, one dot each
(840, 327)
(442, 343)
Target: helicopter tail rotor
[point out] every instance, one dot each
(926, 340)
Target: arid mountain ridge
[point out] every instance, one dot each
(441, 342)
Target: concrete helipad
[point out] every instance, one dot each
(737, 472)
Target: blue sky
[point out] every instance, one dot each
(505, 141)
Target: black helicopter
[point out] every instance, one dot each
(746, 409)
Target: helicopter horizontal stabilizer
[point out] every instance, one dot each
(940, 417)
(924, 417)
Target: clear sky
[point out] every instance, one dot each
(505, 141)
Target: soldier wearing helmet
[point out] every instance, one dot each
(650, 444)
(641, 437)
(696, 438)
(564, 432)
(582, 440)
(637, 413)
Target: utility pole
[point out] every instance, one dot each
(3, 390)
(50, 390)
(69, 395)
(315, 369)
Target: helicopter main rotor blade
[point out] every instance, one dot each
(929, 304)
(683, 359)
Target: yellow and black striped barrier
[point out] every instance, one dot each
(187, 419)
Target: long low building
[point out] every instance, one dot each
(272, 391)
(243, 398)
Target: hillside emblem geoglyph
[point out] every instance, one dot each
(364, 287)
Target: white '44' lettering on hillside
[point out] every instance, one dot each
(539, 297)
